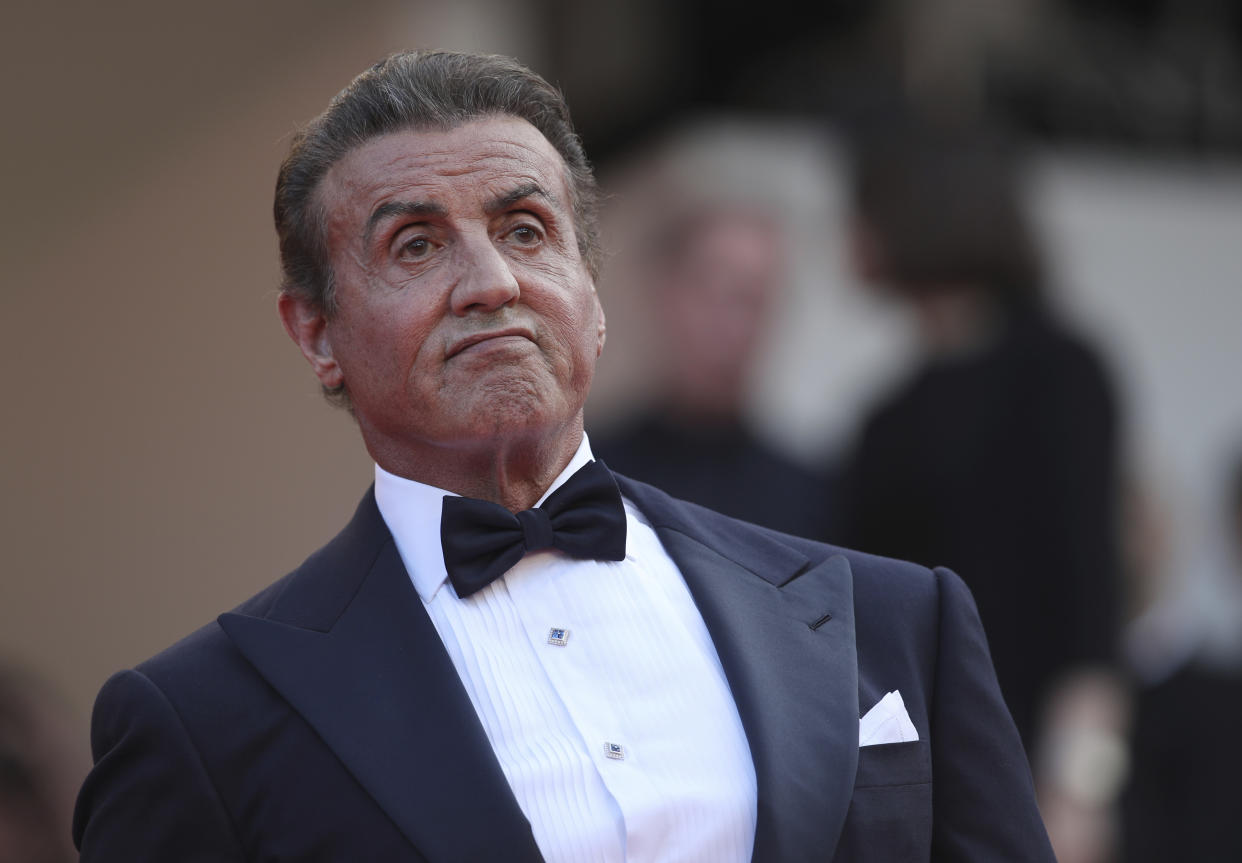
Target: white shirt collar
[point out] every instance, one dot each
(412, 512)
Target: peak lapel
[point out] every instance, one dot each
(793, 675)
(378, 687)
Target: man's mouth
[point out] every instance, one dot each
(470, 341)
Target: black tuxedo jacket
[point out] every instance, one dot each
(322, 720)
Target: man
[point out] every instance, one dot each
(662, 683)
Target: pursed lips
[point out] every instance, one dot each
(478, 338)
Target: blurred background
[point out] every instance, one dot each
(167, 453)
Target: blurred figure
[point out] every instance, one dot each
(714, 274)
(1182, 802)
(998, 457)
(41, 765)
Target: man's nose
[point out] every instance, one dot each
(486, 280)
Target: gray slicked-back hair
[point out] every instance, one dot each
(417, 90)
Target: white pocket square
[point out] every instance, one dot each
(887, 722)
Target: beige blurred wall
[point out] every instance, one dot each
(166, 451)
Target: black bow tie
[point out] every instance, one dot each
(583, 518)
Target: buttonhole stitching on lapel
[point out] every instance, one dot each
(817, 624)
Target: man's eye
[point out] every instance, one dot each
(525, 235)
(419, 247)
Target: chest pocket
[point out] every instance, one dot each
(890, 817)
(892, 764)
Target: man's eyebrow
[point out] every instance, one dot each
(401, 208)
(526, 190)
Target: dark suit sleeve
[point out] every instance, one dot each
(983, 798)
(149, 796)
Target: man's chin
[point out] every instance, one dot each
(513, 414)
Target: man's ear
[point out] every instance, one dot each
(603, 328)
(307, 325)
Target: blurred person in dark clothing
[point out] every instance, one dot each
(715, 273)
(42, 761)
(1182, 799)
(998, 456)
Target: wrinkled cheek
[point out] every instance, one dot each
(584, 368)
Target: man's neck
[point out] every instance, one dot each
(512, 473)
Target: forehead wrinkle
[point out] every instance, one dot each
(532, 161)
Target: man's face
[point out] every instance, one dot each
(465, 314)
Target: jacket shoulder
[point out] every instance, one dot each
(874, 575)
